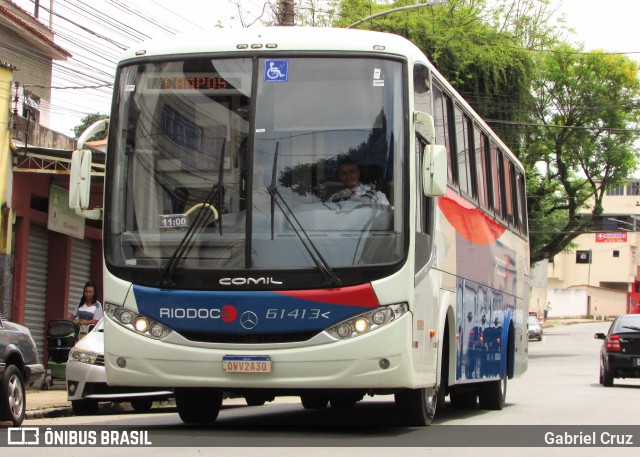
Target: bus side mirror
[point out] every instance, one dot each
(80, 177)
(80, 180)
(434, 159)
(434, 170)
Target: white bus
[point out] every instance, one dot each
(312, 213)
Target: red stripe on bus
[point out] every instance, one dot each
(469, 221)
(362, 295)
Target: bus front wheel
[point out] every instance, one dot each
(416, 407)
(311, 401)
(198, 405)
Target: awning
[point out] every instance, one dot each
(37, 159)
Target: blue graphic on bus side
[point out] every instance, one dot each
(276, 70)
(239, 312)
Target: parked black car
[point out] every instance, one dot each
(620, 353)
(19, 370)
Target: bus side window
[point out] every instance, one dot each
(502, 178)
(522, 202)
(465, 158)
(508, 191)
(471, 165)
(479, 141)
(462, 155)
(421, 88)
(442, 110)
(496, 179)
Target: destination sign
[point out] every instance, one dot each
(190, 83)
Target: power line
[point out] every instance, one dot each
(568, 127)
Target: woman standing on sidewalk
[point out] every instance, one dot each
(89, 310)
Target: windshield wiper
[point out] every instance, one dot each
(330, 278)
(632, 327)
(198, 222)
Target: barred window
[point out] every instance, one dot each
(615, 191)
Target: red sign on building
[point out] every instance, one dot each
(611, 237)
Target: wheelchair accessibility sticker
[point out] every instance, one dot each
(276, 70)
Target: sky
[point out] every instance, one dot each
(118, 24)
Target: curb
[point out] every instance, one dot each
(104, 408)
(49, 413)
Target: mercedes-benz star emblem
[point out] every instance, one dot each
(248, 320)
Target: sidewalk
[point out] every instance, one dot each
(51, 403)
(47, 403)
(554, 322)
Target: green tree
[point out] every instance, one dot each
(580, 142)
(485, 64)
(568, 115)
(86, 122)
(315, 13)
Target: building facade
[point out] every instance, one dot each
(602, 271)
(47, 253)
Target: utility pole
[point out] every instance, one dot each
(286, 14)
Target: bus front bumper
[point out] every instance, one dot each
(378, 360)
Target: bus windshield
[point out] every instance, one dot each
(241, 163)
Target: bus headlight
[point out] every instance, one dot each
(361, 325)
(156, 330)
(141, 325)
(367, 322)
(135, 322)
(126, 317)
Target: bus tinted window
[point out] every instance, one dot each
(522, 202)
(422, 93)
(462, 148)
(479, 141)
(441, 107)
(509, 179)
(501, 183)
(496, 202)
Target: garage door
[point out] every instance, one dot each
(36, 287)
(80, 270)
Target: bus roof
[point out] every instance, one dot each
(283, 38)
(269, 39)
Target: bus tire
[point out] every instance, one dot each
(84, 407)
(314, 401)
(254, 400)
(463, 400)
(344, 401)
(416, 407)
(492, 394)
(142, 405)
(198, 405)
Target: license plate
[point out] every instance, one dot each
(246, 364)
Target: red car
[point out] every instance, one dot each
(620, 353)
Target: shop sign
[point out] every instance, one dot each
(62, 218)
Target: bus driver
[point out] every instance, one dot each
(354, 190)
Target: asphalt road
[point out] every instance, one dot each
(558, 394)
